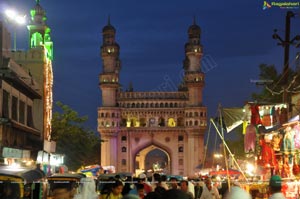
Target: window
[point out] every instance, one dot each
(29, 116)
(5, 102)
(124, 149)
(180, 149)
(14, 108)
(22, 112)
(180, 138)
(123, 162)
(180, 162)
(123, 138)
(171, 122)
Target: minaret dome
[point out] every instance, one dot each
(194, 30)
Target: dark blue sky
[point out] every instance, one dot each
(236, 38)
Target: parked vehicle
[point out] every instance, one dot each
(22, 183)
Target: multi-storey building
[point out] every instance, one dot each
(134, 125)
(38, 60)
(27, 90)
(19, 137)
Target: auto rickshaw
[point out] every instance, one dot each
(71, 185)
(22, 183)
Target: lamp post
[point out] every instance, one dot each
(16, 19)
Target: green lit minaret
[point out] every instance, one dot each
(40, 54)
(39, 32)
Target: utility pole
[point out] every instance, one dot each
(286, 44)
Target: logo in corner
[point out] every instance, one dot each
(266, 5)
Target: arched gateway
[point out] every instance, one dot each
(141, 130)
(152, 158)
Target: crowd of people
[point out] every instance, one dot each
(161, 188)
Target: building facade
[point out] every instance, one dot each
(26, 89)
(144, 131)
(19, 137)
(38, 60)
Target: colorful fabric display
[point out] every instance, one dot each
(255, 117)
(267, 154)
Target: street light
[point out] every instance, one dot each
(17, 19)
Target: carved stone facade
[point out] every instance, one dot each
(134, 124)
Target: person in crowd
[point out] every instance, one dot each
(209, 191)
(153, 195)
(164, 182)
(106, 186)
(115, 192)
(236, 192)
(184, 186)
(198, 188)
(175, 194)
(87, 189)
(275, 187)
(129, 186)
(173, 183)
(143, 180)
(160, 190)
(140, 190)
(156, 181)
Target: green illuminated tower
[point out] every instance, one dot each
(38, 62)
(39, 32)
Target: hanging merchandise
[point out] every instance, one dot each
(288, 143)
(283, 115)
(267, 153)
(255, 117)
(250, 139)
(296, 129)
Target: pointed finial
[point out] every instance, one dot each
(194, 20)
(108, 20)
(37, 1)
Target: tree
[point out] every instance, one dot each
(273, 85)
(80, 145)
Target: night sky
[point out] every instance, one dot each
(236, 38)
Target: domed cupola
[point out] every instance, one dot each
(108, 29)
(109, 33)
(38, 14)
(194, 30)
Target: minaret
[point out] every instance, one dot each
(39, 63)
(109, 84)
(109, 78)
(194, 83)
(39, 32)
(194, 77)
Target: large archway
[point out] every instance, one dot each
(152, 159)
